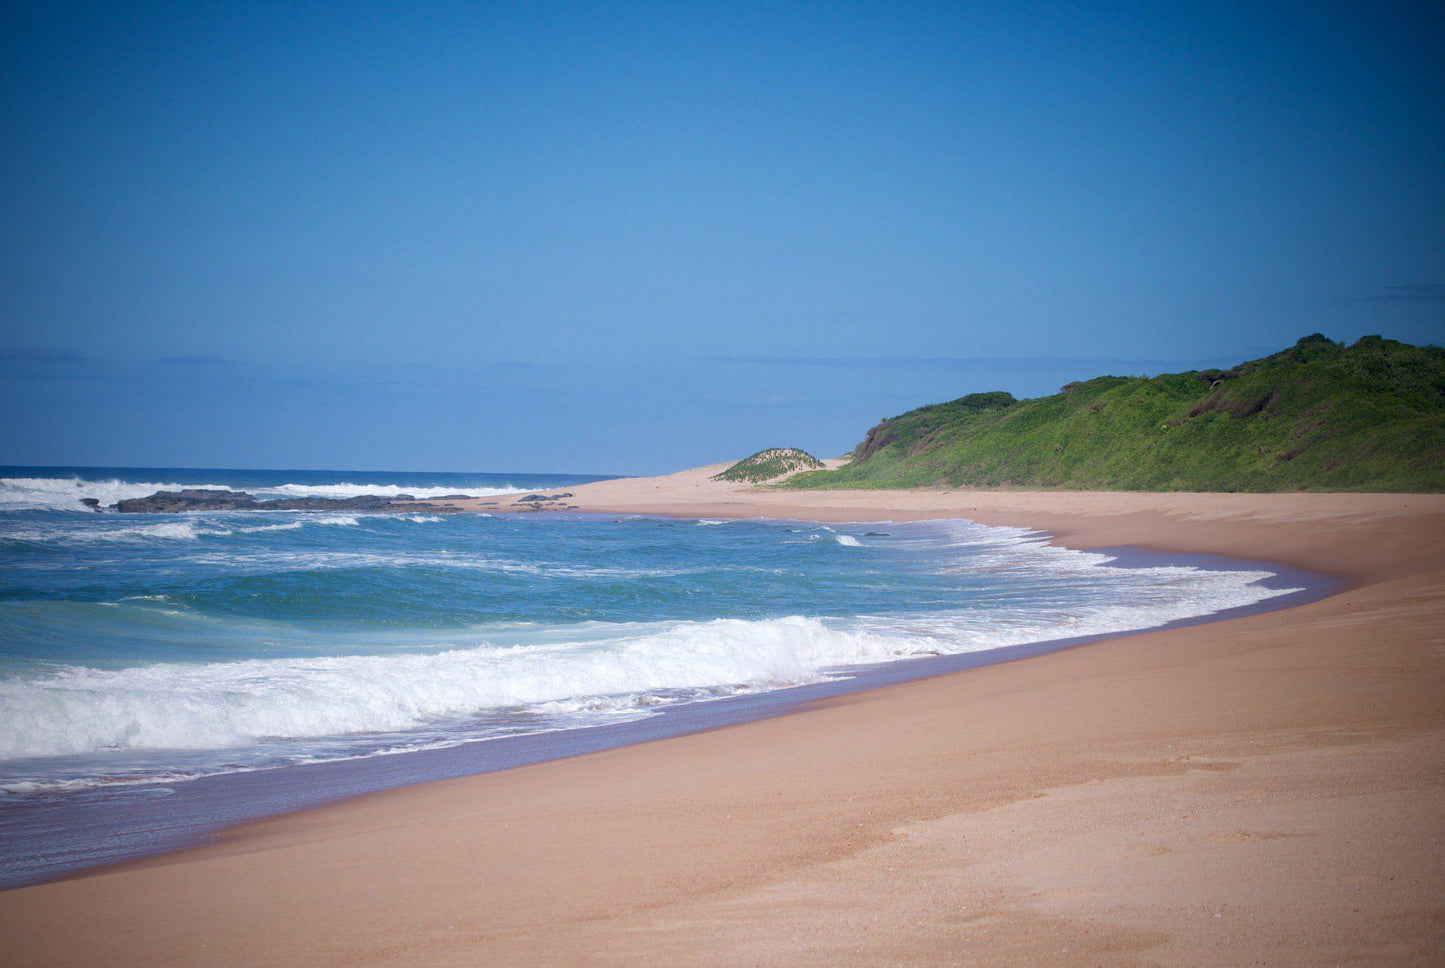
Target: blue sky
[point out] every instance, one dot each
(627, 238)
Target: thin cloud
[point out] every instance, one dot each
(196, 360)
(913, 362)
(39, 355)
(1432, 292)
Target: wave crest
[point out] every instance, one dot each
(225, 704)
(66, 493)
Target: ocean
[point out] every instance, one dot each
(143, 653)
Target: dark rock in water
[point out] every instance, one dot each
(190, 499)
(211, 499)
(545, 497)
(91, 502)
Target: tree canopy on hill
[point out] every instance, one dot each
(1317, 416)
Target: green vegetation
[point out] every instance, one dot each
(769, 464)
(1317, 416)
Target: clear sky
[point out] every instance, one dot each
(627, 238)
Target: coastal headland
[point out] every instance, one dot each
(1265, 789)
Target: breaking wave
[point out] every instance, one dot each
(78, 710)
(66, 493)
(381, 490)
(230, 640)
(118, 529)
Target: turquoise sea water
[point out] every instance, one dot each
(153, 649)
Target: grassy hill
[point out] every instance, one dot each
(1317, 416)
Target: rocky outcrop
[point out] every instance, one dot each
(543, 502)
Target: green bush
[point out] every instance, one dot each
(768, 464)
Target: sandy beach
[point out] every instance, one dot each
(1263, 790)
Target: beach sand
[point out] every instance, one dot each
(1263, 790)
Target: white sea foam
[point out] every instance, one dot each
(65, 493)
(108, 529)
(434, 688)
(584, 669)
(218, 705)
(175, 530)
(166, 531)
(381, 490)
(260, 529)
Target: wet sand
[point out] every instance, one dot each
(1266, 789)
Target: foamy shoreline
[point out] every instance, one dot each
(196, 806)
(1131, 800)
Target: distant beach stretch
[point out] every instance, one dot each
(643, 577)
